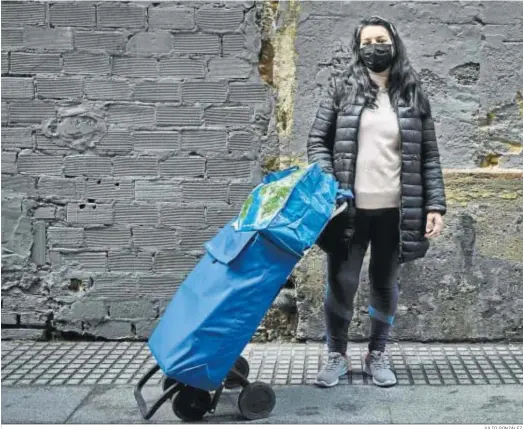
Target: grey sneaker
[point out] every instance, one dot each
(337, 366)
(377, 366)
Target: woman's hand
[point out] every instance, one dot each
(434, 225)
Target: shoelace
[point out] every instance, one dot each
(333, 362)
(379, 361)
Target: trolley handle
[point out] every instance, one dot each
(148, 413)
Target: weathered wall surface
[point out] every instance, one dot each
(130, 134)
(132, 131)
(470, 57)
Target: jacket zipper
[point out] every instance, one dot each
(401, 185)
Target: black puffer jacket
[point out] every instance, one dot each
(332, 143)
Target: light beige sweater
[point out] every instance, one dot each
(378, 165)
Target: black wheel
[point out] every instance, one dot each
(191, 404)
(242, 366)
(256, 401)
(167, 382)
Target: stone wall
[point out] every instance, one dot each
(130, 134)
(470, 58)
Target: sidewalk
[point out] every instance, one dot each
(92, 382)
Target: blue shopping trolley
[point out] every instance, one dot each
(198, 342)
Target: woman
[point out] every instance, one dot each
(376, 135)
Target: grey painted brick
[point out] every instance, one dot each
(141, 166)
(204, 92)
(67, 238)
(19, 184)
(31, 112)
(204, 140)
(26, 63)
(91, 261)
(220, 216)
(24, 334)
(5, 62)
(135, 67)
(182, 216)
(36, 164)
(180, 68)
(158, 286)
(59, 87)
(75, 14)
(241, 141)
(239, 192)
(171, 18)
(87, 165)
(111, 237)
(221, 20)
(108, 89)
(121, 15)
(132, 310)
(150, 42)
(8, 319)
(110, 286)
(204, 191)
(179, 166)
(59, 188)
(145, 328)
(510, 13)
(116, 142)
(195, 43)
(135, 214)
(178, 115)
(45, 212)
(49, 145)
(194, 240)
(229, 168)
(131, 114)
(38, 252)
(248, 93)
(150, 141)
(9, 162)
(86, 63)
(111, 329)
(173, 260)
(233, 44)
(109, 189)
(12, 38)
(22, 13)
(16, 138)
(154, 237)
(5, 113)
(99, 41)
(90, 214)
(229, 67)
(227, 116)
(129, 261)
(157, 90)
(48, 38)
(161, 190)
(17, 87)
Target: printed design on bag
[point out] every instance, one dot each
(265, 201)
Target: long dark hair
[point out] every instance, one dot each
(404, 83)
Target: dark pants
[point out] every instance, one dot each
(381, 229)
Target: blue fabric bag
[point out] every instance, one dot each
(221, 303)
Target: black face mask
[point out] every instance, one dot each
(377, 57)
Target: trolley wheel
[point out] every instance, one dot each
(256, 401)
(242, 366)
(167, 382)
(191, 404)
